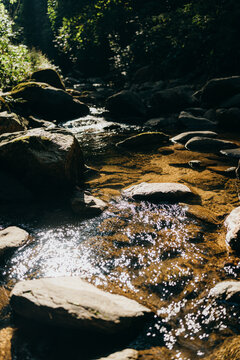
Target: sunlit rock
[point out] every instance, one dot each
(87, 205)
(159, 192)
(184, 137)
(126, 103)
(74, 303)
(205, 144)
(43, 160)
(147, 140)
(191, 122)
(127, 354)
(232, 223)
(11, 238)
(227, 291)
(47, 102)
(10, 122)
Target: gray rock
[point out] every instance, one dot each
(205, 144)
(196, 111)
(127, 354)
(195, 123)
(215, 91)
(228, 119)
(10, 122)
(227, 291)
(144, 141)
(11, 238)
(43, 160)
(232, 224)
(74, 303)
(184, 137)
(87, 205)
(233, 101)
(158, 192)
(162, 123)
(232, 153)
(126, 103)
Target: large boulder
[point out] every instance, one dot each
(215, 91)
(232, 224)
(191, 122)
(47, 102)
(184, 137)
(159, 192)
(172, 100)
(73, 303)
(146, 140)
(10, 122)
(11, 238)
(48, 76)
(43, 160)
(208, 145)
(126, 103)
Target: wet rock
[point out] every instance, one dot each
(10, 122)
(232, 153)
(127, 354)
(195, 123)
(205, 144)
(200, 213)
(11, 238)
(12, 191)
(232, 223)
(159, 192)
(126, 103)
(73, 303)
(228, 118)
(144, 141)
(162, 123)
(229, 171)
(45, 161)
(195, 164)
(196, 111)
(215, 91)
(47, 102)
(184, 137)
(227, 291)
(229, 350)
(48, 76)
(172, 100)
(87, 205)
(233, 101)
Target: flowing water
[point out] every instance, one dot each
(155, 254)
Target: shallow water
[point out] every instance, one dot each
(155, 254)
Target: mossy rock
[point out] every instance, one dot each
(50, 77)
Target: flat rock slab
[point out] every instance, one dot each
(159, 192)
(232, 223)
(144, 140)
(184, 137)
(11, 238)
(205, 144)
(226, 291)
(127, 354)
(74, 303)
(233, 153)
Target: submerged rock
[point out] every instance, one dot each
(10, 122)
(146, 140)
(48, 76)
(232, 223)
(195, 123)
(87, 205)
(127, 354)
(228, 350)
(205, 144)
(43, 160)
(73, 303)
(48, 102)
(126, 103)
(159, 192)
(11, 238)
(227, 291)
(185, 136)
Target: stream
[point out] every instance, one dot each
(155, 254)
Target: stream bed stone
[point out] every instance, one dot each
(11, 238)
